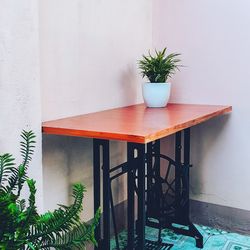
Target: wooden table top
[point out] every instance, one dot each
(135, 123)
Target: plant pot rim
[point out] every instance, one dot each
(155, 83)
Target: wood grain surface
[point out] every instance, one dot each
(135, 123)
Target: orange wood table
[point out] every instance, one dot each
(140, 127)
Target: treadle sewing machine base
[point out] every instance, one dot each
(166, 194)
(162, 191)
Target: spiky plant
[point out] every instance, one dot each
(160, 67)
(21, 227)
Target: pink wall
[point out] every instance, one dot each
(88, 53)
(213, 37)
(20, 102)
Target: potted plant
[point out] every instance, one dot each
(158, 68)
(21, 227)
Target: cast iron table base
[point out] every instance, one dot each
(162, 191)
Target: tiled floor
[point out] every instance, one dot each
(214, 239)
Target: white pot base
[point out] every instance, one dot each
(156, 95)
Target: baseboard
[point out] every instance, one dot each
(217, 216)
(203, 213)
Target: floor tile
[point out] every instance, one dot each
(214, 239)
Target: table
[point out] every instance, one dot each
(142, 128)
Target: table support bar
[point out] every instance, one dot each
(101, 148)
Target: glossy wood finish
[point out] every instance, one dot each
(135, 123)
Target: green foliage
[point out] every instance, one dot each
(160, 67)
(21, 227)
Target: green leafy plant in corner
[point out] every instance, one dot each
(21, 226)
(160, 67)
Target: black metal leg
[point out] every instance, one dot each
(114, 220)
(136, 162)
(157, 169)
(106, 195)
(104, 145)
(197, 235)
(193, 230)
(131, 195)
(96, 174)
(141, 196)
(156, 148)
(186, 175)
(149, 166)
(178, 175)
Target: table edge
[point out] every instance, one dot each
(133, 138)
(166, 132)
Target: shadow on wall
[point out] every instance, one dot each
(129, 85)
(55, 170)
(81, 169)
(67, 160)
(204, 138)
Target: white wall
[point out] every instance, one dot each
(213, 37)
(19, 81)
(89, 51)
(89, 48)
(88, 63)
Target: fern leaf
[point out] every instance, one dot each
(62, 219)
(26, 149)
(6, 167)
(21, 227)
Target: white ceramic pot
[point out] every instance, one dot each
(156, 95)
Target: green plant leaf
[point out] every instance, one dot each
(21, 227)
(159, 67)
